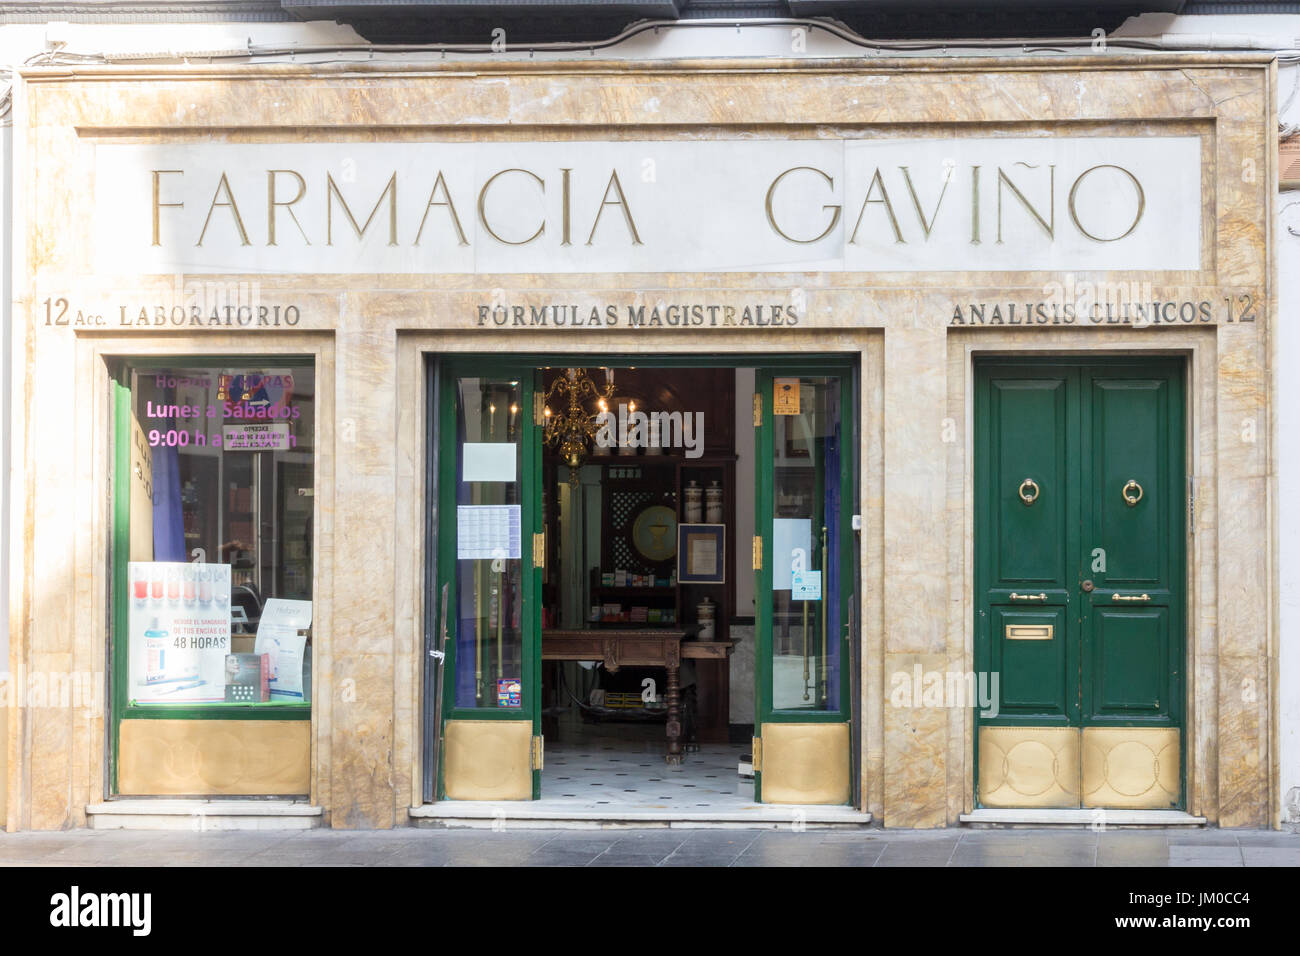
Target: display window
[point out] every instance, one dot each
(213, 547)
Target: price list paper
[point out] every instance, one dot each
(484, 532)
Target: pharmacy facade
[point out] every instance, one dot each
(280, 324)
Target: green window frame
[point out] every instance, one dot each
(119, 657)
(765, 709)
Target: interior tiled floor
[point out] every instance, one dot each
(611, 766)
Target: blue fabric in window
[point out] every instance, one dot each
(168, 524)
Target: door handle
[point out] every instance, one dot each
(1028, 597)
(440, 655)
(1130, 498)
(1130, 597)
(1026, 487)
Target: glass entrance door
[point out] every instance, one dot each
(803, 558)
(489, 584)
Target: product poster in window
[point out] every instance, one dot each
(281, 635)
(179, 626)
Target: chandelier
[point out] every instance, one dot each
(573, 426)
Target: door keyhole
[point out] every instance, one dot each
(1087, 586)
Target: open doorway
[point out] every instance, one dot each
(648, 609)
(644, 577)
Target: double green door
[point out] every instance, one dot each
(1080, 504)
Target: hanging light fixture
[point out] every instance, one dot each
(574, 427)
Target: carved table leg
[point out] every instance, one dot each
(673, 699)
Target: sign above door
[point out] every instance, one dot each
(752, 205)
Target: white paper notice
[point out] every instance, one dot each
(703, 556)
(278, 636)
(791, 544)
(484, 532)
(489, 461)
(257, 437)
(806, 586)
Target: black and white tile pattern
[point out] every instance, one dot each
(621, 766)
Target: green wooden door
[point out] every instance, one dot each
(488, 524)
(803, 560)
(1079, 575)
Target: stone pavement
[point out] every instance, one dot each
(654, 847)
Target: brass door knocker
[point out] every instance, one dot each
(1129, 487)
(1031, 495)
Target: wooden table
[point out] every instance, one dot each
(652, 647)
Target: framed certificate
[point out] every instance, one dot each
(701, 553)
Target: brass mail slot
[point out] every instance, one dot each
(1030, 632)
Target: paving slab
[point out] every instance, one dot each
(1205, 856)
(1203, 838)
(627, 859)
(876, 846)
(1270, 856)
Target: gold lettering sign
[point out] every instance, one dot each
(1141, 206)
(272, 202)
(158, 204)
(333, 192)
(621, 202)
(771, 216)
(223, 186)
(482, 207)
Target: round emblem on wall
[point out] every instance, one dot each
(654, 533)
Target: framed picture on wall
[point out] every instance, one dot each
(701, 553)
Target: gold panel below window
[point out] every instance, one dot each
(1021, 767)
(1131, 768)
(201, 757)
(488, 760)
(805, 763)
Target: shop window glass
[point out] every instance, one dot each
(806, 575)
(221, 517)
(489, 569)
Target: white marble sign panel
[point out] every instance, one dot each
(863, 205)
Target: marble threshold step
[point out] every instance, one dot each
(202, 814)
(529, 815)
(1092, 818)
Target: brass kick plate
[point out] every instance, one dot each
(757, 756)
(1030, 632)
(805, 763)
(535, 751)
